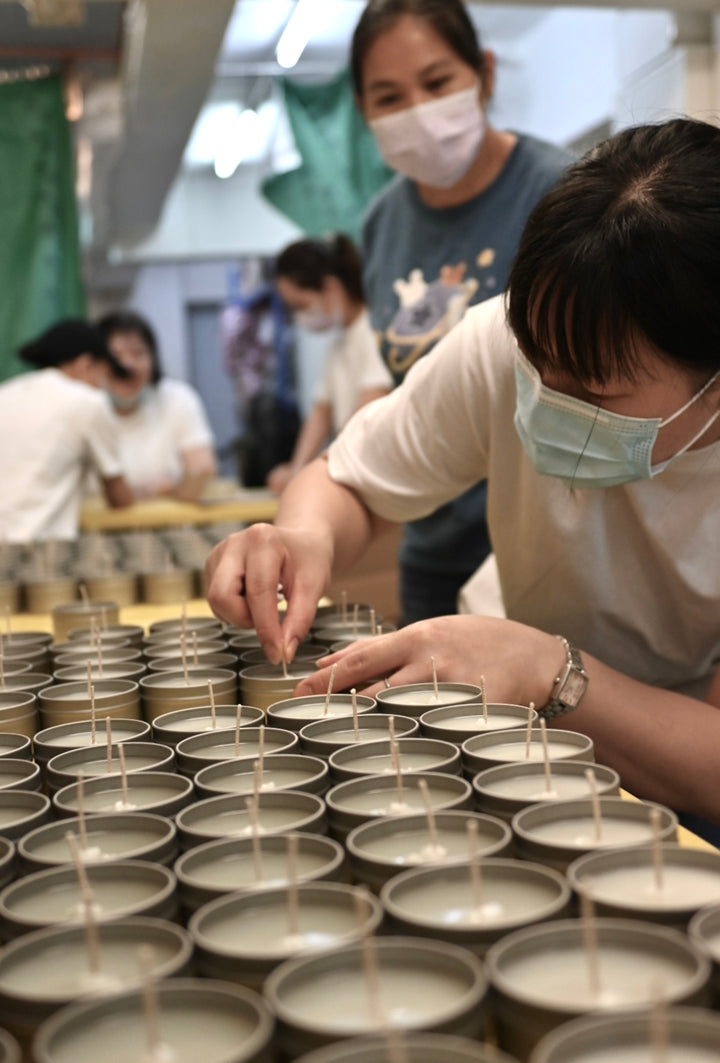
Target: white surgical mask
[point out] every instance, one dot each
(125, 404)
(584, 445)
(434, 143)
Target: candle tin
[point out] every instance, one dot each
(283, 771)
(704, 932)
(690, 1035)
(205, 660)
(161, 792)
(46, 970)
(422, 985)
(74, 673)
(557, 833)
(323, 737)
(21, 811)
(71, 615)
(171, 727)
(81, 650)
(9, 603)
(264, 684)
(120, 586)
(453, 723)
(296, 712)
(414, 699)
(27, 682)
(343, 634)
(232, 865)
(354, 802)
(622, 883)
(173, 649)
(110, 836)
(120, 887)
(18, 712)
(214, 747)
(53, 740)
(16, 746)
(502, 747)
(7, 861)
(132, 634)
(14, 667)
(161, 588)
(222, 817)
(307, 651)
(375, 758)
(19, 774)
(70, 658)
(508, 788)
(440, 902)
(541, 977)
(33, 653)
(64, 768)
(415, 1048)
(382, 848)
(18, 640)
(164, 691)
(68, 702)
(243, 938)
(180, 625)
(198, 1019)
(42, 595)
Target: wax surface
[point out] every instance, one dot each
(139, 797)
(192, 1033)
(496, 721)
(81, 739)
(272, 779)
(580, 830)
(63, 903)
(244, 748)
(263, 930)
(682, 887)
(237, 821)
(384, 802)
(532, 787)
(10, 816)
(235, 872)
(314, 710)
(678, 1053)
(406, 848)
(101, 845)
(381, 763)
(61, 971)
(338, 1000)
(517, 750)
(346, 737)
(452, 903)
(427, 697)
(100, 766)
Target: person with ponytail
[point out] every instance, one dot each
(321, 282)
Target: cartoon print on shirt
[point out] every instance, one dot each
(426, 313)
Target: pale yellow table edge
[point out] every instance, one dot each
(95, 516)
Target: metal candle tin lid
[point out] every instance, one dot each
(244, 937)
(79, 735)
(213, 747)
(220, 817)
(455, 723)
(228, 865)
(200, 1019)
(375, 758)
(692, 1035)
(283, 771)
(624, 882)
(440, 902)
(503, 747)
(414, 699)
(323, 737)
(508, 788)
(559, 832)
(381, 848)
(34, 984)
(296, 712)
(423, 985)
(110, 836)
(22, 811)
(171, 727)
(162, 792)
(416, 1048)
(121, 888)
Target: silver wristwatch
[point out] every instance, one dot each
(569, 687)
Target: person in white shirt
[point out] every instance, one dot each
(55, 427)
(321, 280)
(166, 443)
(593, 408)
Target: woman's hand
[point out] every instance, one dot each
(519, 663)
(244, 572)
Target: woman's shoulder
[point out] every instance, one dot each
(540, 156)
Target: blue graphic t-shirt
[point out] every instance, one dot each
(423, 267)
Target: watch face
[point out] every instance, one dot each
(574, 688)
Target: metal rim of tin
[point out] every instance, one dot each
(23, 774)
(308, 810)
(65, 800)
(208, 780)
(313, 740)
(446, 757)
(163, 730)
(161, 846)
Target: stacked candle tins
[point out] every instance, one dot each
(196, 865)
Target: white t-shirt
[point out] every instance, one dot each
(53, 429)
(354, 365)
(629, 573)
(169, 420)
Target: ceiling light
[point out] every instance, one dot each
(295, 35)
(240, 143)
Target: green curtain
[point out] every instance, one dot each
(341, 167)
(40, 274)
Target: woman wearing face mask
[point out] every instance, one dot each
(321, 281)
(593, 409)
(164, 436)
(442, 236)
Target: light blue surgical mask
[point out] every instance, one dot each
(127, 404)
(584, 445)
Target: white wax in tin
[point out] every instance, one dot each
(245, 748)
(407, 848)
(677, 1053)
(516, 750)
(272, 779)
(64, 904)
(681, 887)
(140, 797)
(135, 762)
(346, 737)
(229, 873)
(531, 788)
(338, 1000)
(10, 816)
(102, 845)
(237, 822)
(628, 975)
(381, 763)
(450, 903)
(314, 710)
(12, 776)
(381, 802)
(426, 697)
(580, 831)
(81, 740)
(261, 930)
(495, 722)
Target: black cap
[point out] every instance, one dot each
(67, 340)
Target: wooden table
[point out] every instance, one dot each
(244, 506)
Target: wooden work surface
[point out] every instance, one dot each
(245, 506)
(146, 614)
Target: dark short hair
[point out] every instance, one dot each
(308, 262)
(626, 247)
(64, 342)
(449, 19)
(129, 321)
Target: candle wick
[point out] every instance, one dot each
(329, 690)
(595, 804)
(436, 690)
(353, 699)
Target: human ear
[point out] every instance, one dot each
(487, 76)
